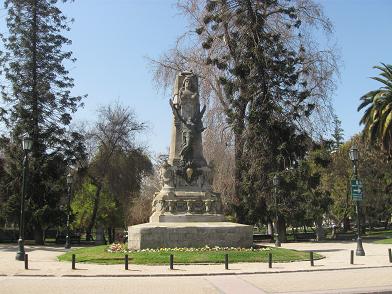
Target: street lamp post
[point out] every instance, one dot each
(354, 155)
(26, 144)
(69, 184)
(276, 183)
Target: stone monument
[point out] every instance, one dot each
(186, 212)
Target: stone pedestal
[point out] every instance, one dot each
(193, 234)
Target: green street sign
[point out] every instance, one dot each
(356, 190)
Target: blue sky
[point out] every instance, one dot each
(111, 39)
(363, 30)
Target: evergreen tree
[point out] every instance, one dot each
(337, 135)
(38, 100)
(265, 87)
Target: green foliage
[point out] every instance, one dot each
(374, 170)
(115, 164)
(384, 241)
(378, 110)
(38, 101)
(337, 135)
(302, 198)
(265, 91)
(82, 207)
(41, 210)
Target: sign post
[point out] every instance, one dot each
(356, 190)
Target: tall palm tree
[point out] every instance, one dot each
(378, 114)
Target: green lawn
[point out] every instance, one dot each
(379, 236)
(98, 254)
(384, 241)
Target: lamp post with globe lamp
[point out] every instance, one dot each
(69, 187)
(26, 145)
(276, 183)
(354, 156)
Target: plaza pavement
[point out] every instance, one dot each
(333, 274)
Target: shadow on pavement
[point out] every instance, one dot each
(325, 250)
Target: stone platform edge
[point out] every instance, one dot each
(195, 234)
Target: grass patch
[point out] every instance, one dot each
(379, 236)
(379, 232)
(99, 255)
(384, 241)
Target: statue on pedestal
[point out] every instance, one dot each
(186, 212)
(185, 176)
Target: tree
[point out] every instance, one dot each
(38, 101)
(337, 134)
(115, 162)
(378, 110)
(374, 171)
(260, 74)
(336, 180)
(318, 200)
(125, 179)
(108, 214)
(140, 210)
(218, 150)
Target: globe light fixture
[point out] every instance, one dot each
(354, 154)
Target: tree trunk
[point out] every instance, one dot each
(333, 234)
(110, 235)
(238, 151)
(346, 224)
(237, 178)
(94, 215)
(282, 229)
(320, 233)
(38, 234)
(270, 229)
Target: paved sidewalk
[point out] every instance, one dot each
(333, 274)
(43, 262)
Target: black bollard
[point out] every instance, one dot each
(311, 258)
(73, 261)
(26, 260)
(270, 260)
(227, 261)
(126, 261)
(390, 254)
(352, 257)
(171, 261)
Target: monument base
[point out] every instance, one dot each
(186, 218)
(198, 234)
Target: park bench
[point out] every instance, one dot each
(304, 236)
(75, 238)
(8, 235)
(262, 237)
(345, 236)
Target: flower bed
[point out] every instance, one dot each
(120, 247)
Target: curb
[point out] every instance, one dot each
(192, 274)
